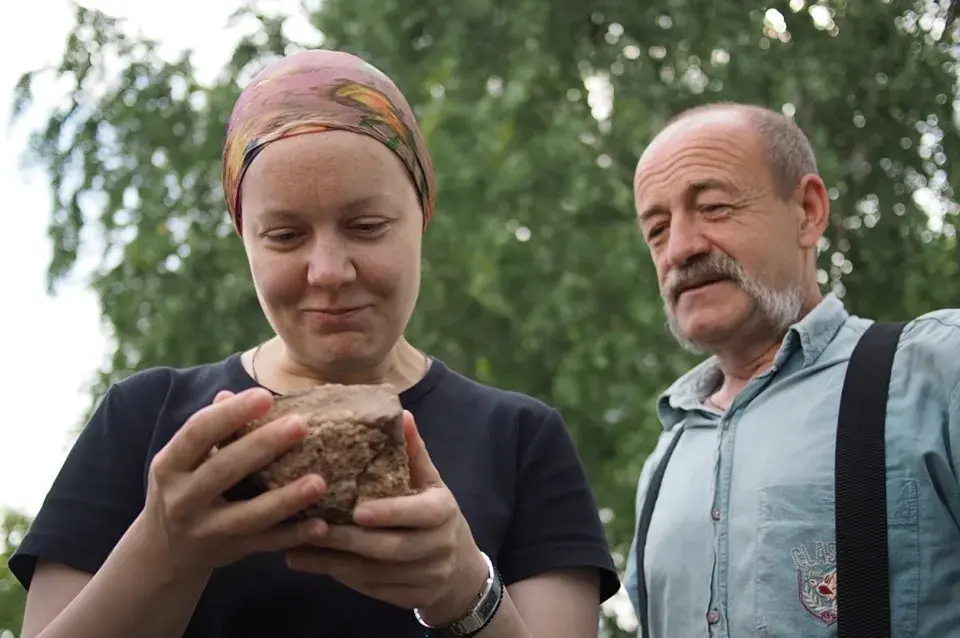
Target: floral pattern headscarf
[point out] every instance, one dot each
(321, 90)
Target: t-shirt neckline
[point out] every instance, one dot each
(244, 381)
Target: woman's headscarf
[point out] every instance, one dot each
(320, 90)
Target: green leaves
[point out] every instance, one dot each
(534, 276)
(13, 526)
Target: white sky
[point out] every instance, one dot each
(53, 345)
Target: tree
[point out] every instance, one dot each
(13, 525)
(535, 112)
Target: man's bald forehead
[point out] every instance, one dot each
(787, 150)
(714, 115)
(721, 119)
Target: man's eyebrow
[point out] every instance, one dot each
(697, 187)
(692, 190)
(650, 211)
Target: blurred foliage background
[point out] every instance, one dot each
(534, 277)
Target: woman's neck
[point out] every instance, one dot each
(272, 365)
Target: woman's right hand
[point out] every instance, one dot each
(185, 512)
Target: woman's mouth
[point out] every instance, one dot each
(334, 317)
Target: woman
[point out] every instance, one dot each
(330, 188)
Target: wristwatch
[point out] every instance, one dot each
(482, 611)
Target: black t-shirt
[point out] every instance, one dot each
(506, 457)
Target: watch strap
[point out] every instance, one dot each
(480, 614)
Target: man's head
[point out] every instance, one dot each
(730, 203)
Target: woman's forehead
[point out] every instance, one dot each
(334, 170)
(315, 92)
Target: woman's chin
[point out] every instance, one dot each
(344, 351)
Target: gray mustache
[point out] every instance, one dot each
(714, 267)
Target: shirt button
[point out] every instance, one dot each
(715, 514)
(713, 617)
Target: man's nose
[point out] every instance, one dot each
(685, 242)
(331, 263)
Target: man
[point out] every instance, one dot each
(741, 540)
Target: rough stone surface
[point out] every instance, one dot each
(355, 442)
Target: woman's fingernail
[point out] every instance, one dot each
(363, 515)
(313, 487)
(296, 426)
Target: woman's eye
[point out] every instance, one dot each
(370, 228)
(282, 236)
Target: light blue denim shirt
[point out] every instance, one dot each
(742, 542)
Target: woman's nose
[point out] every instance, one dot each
(331, 264)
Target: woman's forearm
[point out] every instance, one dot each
(507, 622)
(135, 593)
(562, 604)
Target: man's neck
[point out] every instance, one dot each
(740, 366)
(748, 358)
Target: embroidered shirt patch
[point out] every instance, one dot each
(817, 580)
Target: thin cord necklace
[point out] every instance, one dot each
(253, 364)
(427, 361)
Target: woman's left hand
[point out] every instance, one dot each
(410, 551)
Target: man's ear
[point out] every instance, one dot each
(814, 210)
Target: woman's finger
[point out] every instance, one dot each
(267, 510)
(389, 546)
(221, 396)
(430, 508)
(282, 537)
(234, 462)
(423, 473)
(210, 426)
(368, 574)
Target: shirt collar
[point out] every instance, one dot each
(810, 336)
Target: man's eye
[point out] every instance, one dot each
(715, 208)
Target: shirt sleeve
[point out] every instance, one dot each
(556, 523)
(97, 494)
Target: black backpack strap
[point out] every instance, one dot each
(863, 572)
(643, 527)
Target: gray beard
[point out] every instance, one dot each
(778, 310)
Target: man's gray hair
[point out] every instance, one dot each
(788, 151)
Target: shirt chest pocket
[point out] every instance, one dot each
(796, 581)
